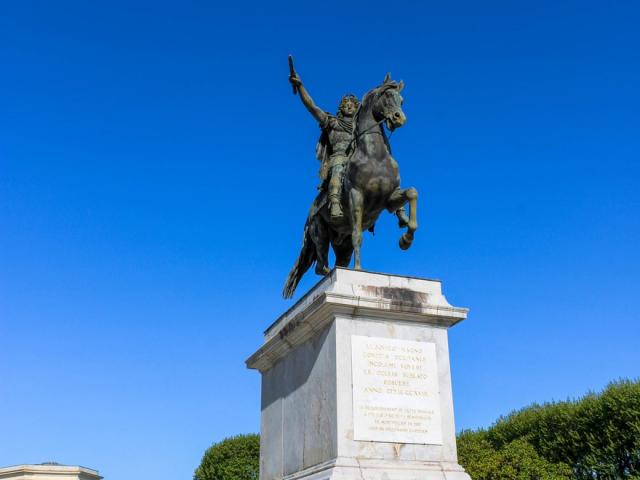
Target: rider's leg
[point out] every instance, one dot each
(335, 191)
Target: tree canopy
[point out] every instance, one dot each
(596, 437)
(234, 458)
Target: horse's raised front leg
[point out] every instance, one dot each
(403, 218)
(396, 202)
(356, 206)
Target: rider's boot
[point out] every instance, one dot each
(335, 209)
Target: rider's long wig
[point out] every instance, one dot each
(348, 97)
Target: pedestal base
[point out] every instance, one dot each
(356, 383)
(356, 469)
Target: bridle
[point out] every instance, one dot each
(368, 130)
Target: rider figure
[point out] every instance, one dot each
(334, 144)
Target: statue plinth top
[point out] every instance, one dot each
(348, 292)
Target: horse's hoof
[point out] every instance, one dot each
(404, 242)
(324, 270)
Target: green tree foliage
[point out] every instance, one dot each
(598, 436)
(235, 458)
(516, 460)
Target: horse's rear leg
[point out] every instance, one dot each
(396, 203)
(343, 251)
(356, 202)
(320, 235)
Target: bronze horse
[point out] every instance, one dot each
(371, 184)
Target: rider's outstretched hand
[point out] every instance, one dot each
(295, 80)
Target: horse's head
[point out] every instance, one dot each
(387, 103)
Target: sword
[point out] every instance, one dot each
(292, 72)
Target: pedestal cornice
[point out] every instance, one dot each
(354, 293)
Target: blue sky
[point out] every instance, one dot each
(155, 173)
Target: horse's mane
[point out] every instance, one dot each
(366, 100)
(366, 105)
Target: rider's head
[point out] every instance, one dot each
(348, 106)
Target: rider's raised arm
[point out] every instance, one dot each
(319, 114)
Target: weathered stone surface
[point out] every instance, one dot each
(309, 430)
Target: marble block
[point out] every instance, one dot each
(356, 382)
(48, 471)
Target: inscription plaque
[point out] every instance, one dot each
(395, 391)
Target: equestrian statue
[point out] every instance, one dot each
(359, 178)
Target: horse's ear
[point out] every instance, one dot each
(387, 79)
(400, 85)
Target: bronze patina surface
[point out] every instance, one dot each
(360, 178)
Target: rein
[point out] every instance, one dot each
(366, 131)
(370, 128)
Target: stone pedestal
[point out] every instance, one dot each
(356, 383)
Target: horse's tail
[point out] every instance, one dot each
(303, 263)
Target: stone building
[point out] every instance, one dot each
(48, 471)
